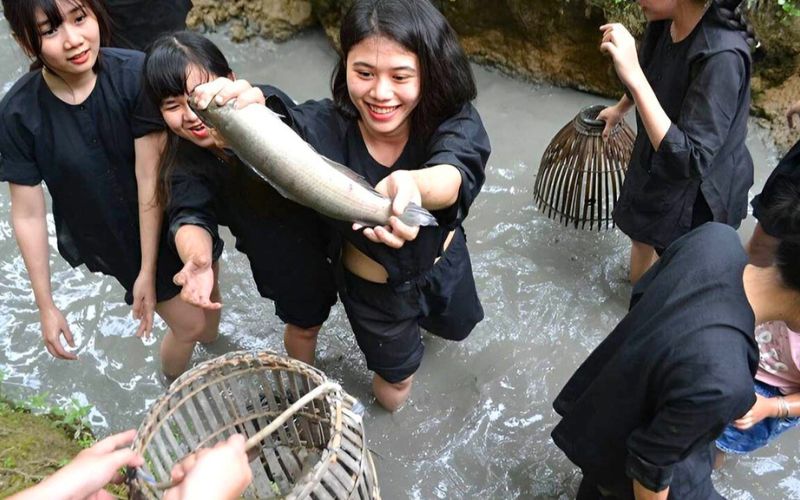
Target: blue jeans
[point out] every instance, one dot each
(733, 440)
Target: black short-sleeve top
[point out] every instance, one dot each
(460, 140)
(85, 155)
(703, 85)
(664, 383)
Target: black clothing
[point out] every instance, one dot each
(285, 243)
(651, 398)
(787, 173)
(137, 23)
(442, 297)
(85, 155)
(703, 85)
(386, 320)
(460, 141)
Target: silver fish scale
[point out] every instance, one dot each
(285, 160)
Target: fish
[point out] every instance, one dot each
(260, 138)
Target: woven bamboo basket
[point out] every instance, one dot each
(580, 174)
(305, 435)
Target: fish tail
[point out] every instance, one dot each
(415, 215)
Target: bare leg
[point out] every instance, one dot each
(188, 325)
(761, 247)
(719, 458)
(643, 256)
(301, 343)
(391, 396)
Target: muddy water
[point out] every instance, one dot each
(478, 422)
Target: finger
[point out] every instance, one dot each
(248, 97)
(68, 334)
(203, 94)
(403, 231)
(180, 278)
(59, 351)
(114, 441)
(237, 442)
(149, 317)
(401, 200)
(141, 329)
(369, 233)
(387, 238)
(790, 118)
(609, 48)
(357, 227)
(124, 457)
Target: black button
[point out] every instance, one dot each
(83, 108)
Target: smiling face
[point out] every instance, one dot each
(383, 81)
(70, 49)
(180, 118)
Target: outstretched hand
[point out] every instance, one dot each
(197, 280)
(54, 325)
(402, 189)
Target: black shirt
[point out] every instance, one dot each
(460, 141)
(785, 176)
(679, 367)
(85, 155)
(137, 23)
(703, 85)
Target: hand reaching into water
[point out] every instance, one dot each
(144, 303)
(89, 472)
(54, 325)
(794, 109)
(401, 187)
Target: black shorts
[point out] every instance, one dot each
(386, 319)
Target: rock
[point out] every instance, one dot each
(275, 19)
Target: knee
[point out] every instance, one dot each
(195, 330)
(307, 334)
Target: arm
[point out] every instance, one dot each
(28, 218)
(774, 407)
(89, 472)
(148, 152)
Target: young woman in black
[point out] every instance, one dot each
(642, 412)
(401, 117)
(81, 125)
(204, 187)
(691, 88)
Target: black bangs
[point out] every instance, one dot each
(170, 58)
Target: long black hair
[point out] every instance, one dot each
(21, 17)
(166, 69)
(729, 13)
(447, 82)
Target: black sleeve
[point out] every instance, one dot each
(191, 202)
(17, 161)
(461, 141)
(711, 103)
(696, 398)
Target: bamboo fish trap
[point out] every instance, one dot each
(305, 435)
(580, 174)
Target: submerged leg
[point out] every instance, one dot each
(391, 395)
(643, 256)
(301, 343)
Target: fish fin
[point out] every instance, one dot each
(415, 215)
(355, 177)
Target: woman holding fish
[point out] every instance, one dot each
(203, 187)
(401, 118)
